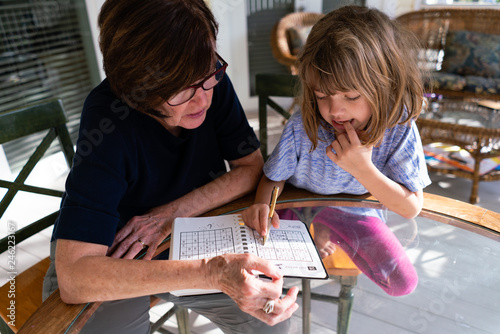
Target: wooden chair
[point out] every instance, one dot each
(339, 266)
(26, 289)
(266, 87)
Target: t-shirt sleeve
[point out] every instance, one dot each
(406, 165)
(235, 137)
(94, 187)
(282, 162)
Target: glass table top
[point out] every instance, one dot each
(431, 274)
(453, 269)
(468, 113)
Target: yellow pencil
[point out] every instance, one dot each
(272, 206)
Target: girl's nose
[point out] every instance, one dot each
(336, 105)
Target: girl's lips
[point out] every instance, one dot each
(339, 125)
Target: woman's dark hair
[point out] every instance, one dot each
(153, 49)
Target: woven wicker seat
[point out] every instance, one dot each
(482, 142)
(432, 28)
(279, 41)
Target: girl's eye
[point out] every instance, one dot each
(352, 98)
(321, 97)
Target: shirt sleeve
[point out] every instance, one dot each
(282, 162)
(406, 165)
(95, 186)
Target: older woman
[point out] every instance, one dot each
(154, 138)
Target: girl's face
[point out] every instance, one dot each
(344, 107)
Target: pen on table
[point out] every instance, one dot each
(272, 206)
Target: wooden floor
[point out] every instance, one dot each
(458, 291)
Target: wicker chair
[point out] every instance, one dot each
(432, 28)
(280, 43)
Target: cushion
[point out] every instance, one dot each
(448, 81)
(472, 53)
(297, 37)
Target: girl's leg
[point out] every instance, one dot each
(373, 248)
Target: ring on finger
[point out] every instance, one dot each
(142, 243)
(269, 307)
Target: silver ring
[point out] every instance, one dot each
(269, 307)
(142, 242)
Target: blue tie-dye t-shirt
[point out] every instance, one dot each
(400, 157)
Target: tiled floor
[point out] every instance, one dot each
(31, 251)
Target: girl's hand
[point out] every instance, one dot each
(232, 274)
(349, 153)
(256, 217)
(147, 229)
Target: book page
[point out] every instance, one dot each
(290, 247)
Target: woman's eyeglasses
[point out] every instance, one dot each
(208, 83)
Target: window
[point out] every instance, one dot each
(42, 55)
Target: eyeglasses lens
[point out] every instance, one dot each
(207, 84)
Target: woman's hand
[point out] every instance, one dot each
(233, 275)
(139, 232)
(257, 216)
(349, 153)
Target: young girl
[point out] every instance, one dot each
(361, 92)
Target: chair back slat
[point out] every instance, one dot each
(47, 116)
(26, 232)
(266, 86)
(66, 143)
(31, 119)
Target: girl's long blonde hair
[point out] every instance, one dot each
(361, 49)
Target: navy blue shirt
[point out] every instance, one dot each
(126, 162)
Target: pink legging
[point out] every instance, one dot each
(371, 245)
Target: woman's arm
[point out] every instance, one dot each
(153, 227)
(85, 274)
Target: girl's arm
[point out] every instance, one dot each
(355, 159)
(394, 196)
(256, 216)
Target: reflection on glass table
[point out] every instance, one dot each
(458, 273)
(364, 236)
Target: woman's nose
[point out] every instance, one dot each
(200, 96)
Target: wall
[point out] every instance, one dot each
(93, 8)
(232, 45)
